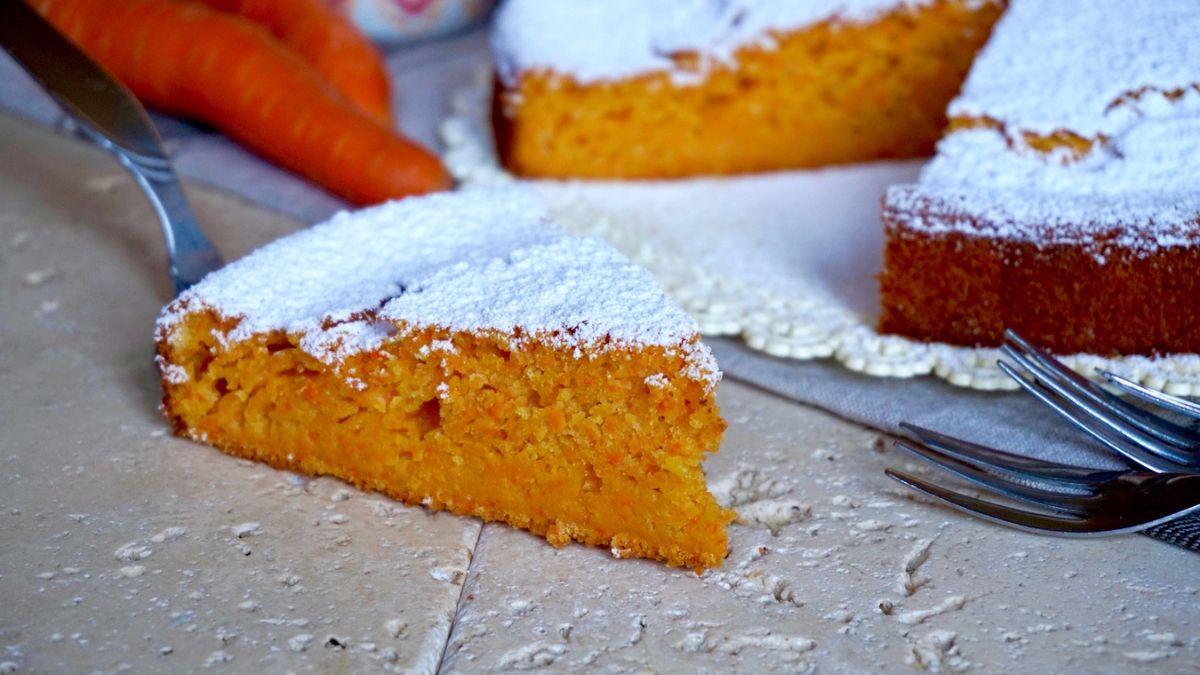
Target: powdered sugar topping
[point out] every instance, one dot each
(1143, 224)
(594, 41)
(480, 260)
(1061, 66)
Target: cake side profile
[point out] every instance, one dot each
(634, 89)
(461, 352)
(1064, 201)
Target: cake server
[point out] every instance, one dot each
(106, 113)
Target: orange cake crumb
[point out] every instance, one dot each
(466, 387)
(1064, 144)
(828, 93)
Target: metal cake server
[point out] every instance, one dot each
(109, 115)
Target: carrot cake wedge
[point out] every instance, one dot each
(462, 352)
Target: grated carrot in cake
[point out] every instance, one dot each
(461, 352)
(638, 89)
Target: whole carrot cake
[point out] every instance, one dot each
(651, 89)
(462, 352)
(1064, 201)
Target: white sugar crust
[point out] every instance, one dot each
(599, 40)
(1144, 225)
(1058, 66)
(487, 261)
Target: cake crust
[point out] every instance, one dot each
(1100, 293)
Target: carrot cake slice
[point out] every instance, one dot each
(1065, 200)
(653, 89)
(462, 352)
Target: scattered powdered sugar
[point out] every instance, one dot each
(169, 535)
(132, 571)
(907, 581)
(916, 616)
(300, 642)
(172, 373)
(936, 651)
(395, 627)
(132, 552)
(532, 656)
(735, 643)
(596, 41)
(774, 514)
(1062, 65)
(1145, 656)
(484, 260)
(246, 530)
(657, 380)
(42, 276)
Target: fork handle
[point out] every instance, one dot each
(1183, 532)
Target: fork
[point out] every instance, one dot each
(1146, 439)
(1084, 502)
(1076, 501)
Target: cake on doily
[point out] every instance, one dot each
(669, 88)
(1064, 201)
(462, 352)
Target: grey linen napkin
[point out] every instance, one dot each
(1029, 428)
(1026, 426)
(424, 78)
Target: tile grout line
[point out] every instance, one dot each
(459, 603)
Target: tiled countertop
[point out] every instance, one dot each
(122, 548)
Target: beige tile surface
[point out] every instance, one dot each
(816, 580)
(124, 548)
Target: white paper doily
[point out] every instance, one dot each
(785, 260)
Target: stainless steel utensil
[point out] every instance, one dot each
(1162, 499)
(1074, 501)
(1146, 438)
(109, 115)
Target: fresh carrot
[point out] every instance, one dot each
(188, 59)
(329, 41)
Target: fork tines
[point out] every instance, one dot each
(1146, 439)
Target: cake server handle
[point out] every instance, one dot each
(106, 113)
